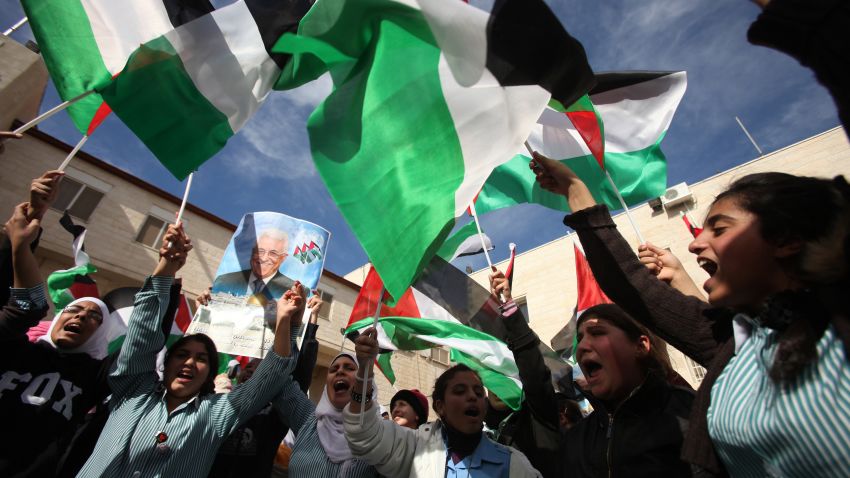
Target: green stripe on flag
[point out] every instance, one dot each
(448, 249)
(147, 109)
(59, 281)
(63, 33)
(386, 367)
(482, 352)
(505, 388)
(389, 106)
(640, 175)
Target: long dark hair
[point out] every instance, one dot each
(209, 384)
(815, 213)
(657, 360)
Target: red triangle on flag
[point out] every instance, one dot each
(587, 125)
(370, 293)
(183, 317)
(589, 292)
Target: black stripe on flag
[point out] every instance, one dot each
(527, 45)
(274, 18)
(612, 80)
(184, 11)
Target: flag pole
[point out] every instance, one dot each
(52, 111)
(369, 367)
(185, 198)
(480, 234)
(749, 136)
(17, 25)
(183, 203)
(625, 208)
(73, 152)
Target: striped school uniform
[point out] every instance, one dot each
(798, 429)
(131, 444)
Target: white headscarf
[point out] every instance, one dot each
(329, 423)
(96, 346)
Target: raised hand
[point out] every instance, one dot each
(500, 287)
(43, 192)
(174, 251)
(366, 348)
(315, 304)
(203, 298)
(290, 306)
(557, 177)
(20, 229)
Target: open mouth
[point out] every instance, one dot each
(472, 412)
(707, 265)
(341, 386)
(73, 327)
(590, 368)
(185, 376)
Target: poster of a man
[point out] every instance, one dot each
(264, 276)
(266, 255)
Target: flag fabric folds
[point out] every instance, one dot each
(429, 97)
(85, 43)
(65, 286)
(636, 109)
(465, 242)
(186, 92)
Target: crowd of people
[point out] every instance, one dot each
(773, 335)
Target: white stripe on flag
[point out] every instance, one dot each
(430, 309)
(120, 26)
(224, 55)
(488, 124)
(635, 116)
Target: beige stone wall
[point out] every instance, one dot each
(114, 224)
(22, 81)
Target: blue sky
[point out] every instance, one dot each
(267, 166)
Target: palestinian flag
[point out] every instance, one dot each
(636, 109)
(692, 228)
(67, 285)
(587, 123)
(85, 43)
(439, 91)
(417, 322)
(445, 307)
(186, 92)
(588, 294)
(465, 242)
(120, 304)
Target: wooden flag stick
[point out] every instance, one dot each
(369, 367)
(17, 25)
(480, 234)
(625, 208)
(52, 111)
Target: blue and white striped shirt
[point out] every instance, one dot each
(128, 446)
(761, 428)
(308, 459)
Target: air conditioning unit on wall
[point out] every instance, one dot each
(677, 194)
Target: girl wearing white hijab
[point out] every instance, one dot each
(320, 448)
(47, 386)
(72, 334)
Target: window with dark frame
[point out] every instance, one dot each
(151, 232)
(79, 199)
(325, 311)
(440, 355)
(697, 369)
